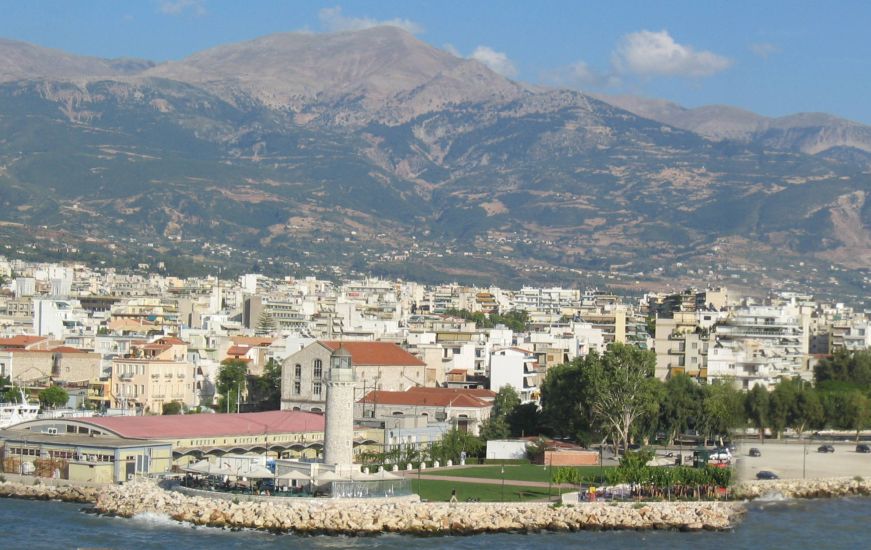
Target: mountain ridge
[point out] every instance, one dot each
(361, 155)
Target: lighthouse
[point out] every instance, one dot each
(339, 429)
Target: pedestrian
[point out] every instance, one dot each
(453, 496)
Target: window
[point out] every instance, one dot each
(297, 388)
(316, 388)
(319, 368)
(297, 371)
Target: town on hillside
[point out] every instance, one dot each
(177, 372)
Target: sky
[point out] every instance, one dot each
(773, 57)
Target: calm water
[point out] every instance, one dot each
(819, 524)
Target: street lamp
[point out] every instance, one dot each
(503, 481)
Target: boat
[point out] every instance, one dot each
(15, 413)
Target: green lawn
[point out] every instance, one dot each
(440, 491)
(517, 472)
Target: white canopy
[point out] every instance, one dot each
(294, 474)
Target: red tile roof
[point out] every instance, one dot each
(424, 399)
(238, 350)
(253, 341)
(376, 353)
(68, 349)
(171, 340)
(209, 425)
(20, 341)
(480, 393)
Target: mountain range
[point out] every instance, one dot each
(371, 150)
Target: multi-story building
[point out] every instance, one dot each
(377, 366)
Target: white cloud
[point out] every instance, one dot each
(334, 20)
(647, 53)
(496, 61)
(451, 49)
(180, 7)
(764, 49)
(582, 76)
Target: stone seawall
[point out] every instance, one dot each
(803, 488)
(361, 517)
(66, 493)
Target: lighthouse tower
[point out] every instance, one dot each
(339, 429)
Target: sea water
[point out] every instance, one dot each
(789, 524)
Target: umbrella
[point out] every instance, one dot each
(207, 468)
(255, 471)
(295, 474)
(328, 476)
(200, 467)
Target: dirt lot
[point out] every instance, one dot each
(795, 460)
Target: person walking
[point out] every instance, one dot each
(453, 496)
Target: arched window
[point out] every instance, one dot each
(297, 371)
(319, 368)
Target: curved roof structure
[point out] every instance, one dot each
(197, 425)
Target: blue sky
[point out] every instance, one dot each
(773, 57)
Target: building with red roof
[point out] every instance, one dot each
(29, 365)
(377, 365)
(465, 409)
(194, 436)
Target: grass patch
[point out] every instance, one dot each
(440, 491)
(519, 472)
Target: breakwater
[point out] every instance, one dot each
(361, 517)
(802, 488)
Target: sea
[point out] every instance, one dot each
(792, 524)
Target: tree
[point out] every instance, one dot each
(231, 381)
(265, 324)
(723, 409)
(265, 390)
(756, 407)
(54, 396)
(173, 407)
(495, 427)
(566, 396)
(505, 401)
(782, 405)
(453, 443)
(807, 411)
(622, 384)
(680, 407)
(855, 412)
(523, 420)
(844, 371)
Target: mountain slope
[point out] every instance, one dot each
(373, 151)
(349, 73)
(810, 133)
(23, 61)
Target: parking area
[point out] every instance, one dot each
(793, 460)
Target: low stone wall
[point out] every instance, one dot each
(802, 488)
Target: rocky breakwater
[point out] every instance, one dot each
(803, 488)
(48, 492)
(360, 517)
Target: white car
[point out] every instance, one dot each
(720, 454)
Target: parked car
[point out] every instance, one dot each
(862, 448)
(755, 452)
(765, 474)
(825, 449)
(720, 454)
